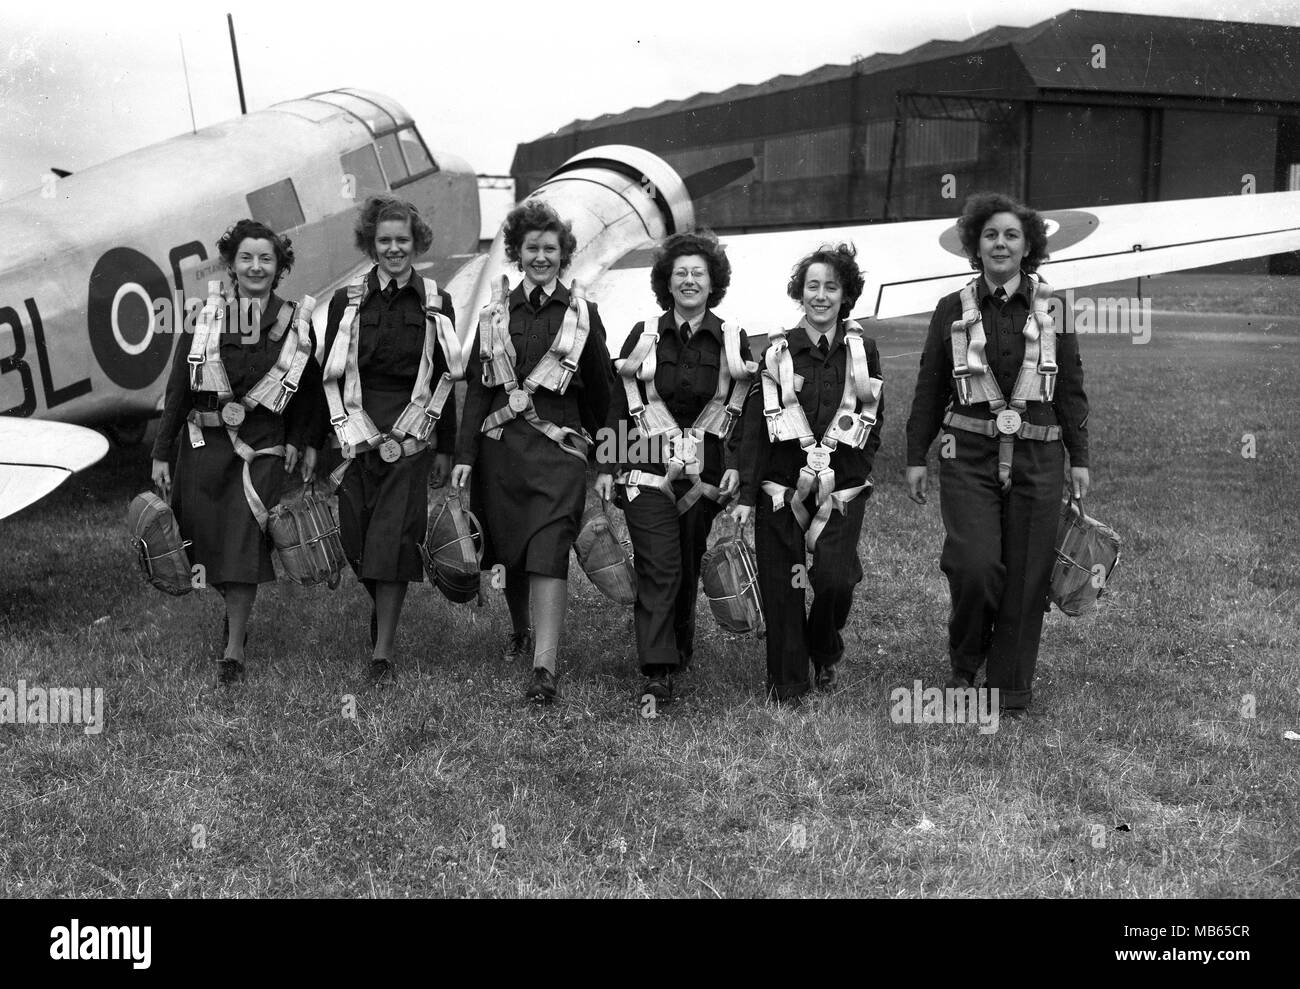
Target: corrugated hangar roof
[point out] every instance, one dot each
(1145, 54)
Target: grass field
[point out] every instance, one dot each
(1139, 776)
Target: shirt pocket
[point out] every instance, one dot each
(706, 375)
(667, 374)
(409, 345)
(369, 341)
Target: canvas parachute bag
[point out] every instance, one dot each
(305, 532)
(160, 550)
(604, 557)
(1086, 553)
(453, 550)
(731, 582)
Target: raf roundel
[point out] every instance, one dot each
(1065, 228)
(120, 318)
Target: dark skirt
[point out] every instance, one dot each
(383, 508)
(211, 507)
(528, 495)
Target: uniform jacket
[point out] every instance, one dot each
(246, 363)
(584, 404)
(686, 378)
(820, 394)
(1003, 325)
(390, 345)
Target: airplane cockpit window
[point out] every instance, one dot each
(277, 206)
(363, 165)
(417, 156)
(391, 155)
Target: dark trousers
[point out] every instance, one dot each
(998, 557)
(792, 637)
(668, 548)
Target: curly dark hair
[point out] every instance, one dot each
(533, 214)
(376, 210)
(980, 207)
(228, 246)
(703, 243)
(843, 259)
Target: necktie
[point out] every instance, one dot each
(390, 290)
(823, 347)
(685, 332)
(1000, 295)
(536, 297)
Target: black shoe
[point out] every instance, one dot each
(684, 661)
(519, 647)
(545, 686)
(959, 680)
(230, 671)
(382, 673)
(827, 677)
(659, 684)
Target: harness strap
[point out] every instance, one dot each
(653, 419)
(988, 427)
(278, 385)
(554, 371)
(207, 373)
(636, 481)
(812, 524)
(1035, 381)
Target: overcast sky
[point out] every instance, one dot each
(81, 83)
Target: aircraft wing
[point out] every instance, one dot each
(909, 266)
(36, 456)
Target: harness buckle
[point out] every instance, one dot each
(819, 457)
(518, 401)
(390, 451)
(1008, 422)
(233, 414)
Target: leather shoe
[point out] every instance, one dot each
(519, 646)
(382, 673)
(659, 684)
(827, 677)
(230, 671)
(959, 680)
(544, 687)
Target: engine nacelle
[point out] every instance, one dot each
(618, 198)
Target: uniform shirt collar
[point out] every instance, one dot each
(555, 289)
(385, 278)
(804, 335)
(1016, 285)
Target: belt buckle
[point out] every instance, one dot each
(233, 414)
(390, 451)
(819, 457)
(518, 400)
(1008, 422)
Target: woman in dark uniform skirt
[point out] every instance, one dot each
(1000, 495)
(841, 446)
(383, 504)
(690, 275)
(528, 488)
(209, 499)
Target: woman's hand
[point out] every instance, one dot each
(290, 458)
(161, 474)
(604, 486)
(460, 476)
(917, 483)
(1079, 481)
(741, 513)
(441, 469)
(730, 483)
(308, 464)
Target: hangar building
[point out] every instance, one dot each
(1085, 109)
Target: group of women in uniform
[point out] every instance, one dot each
(790, 440)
